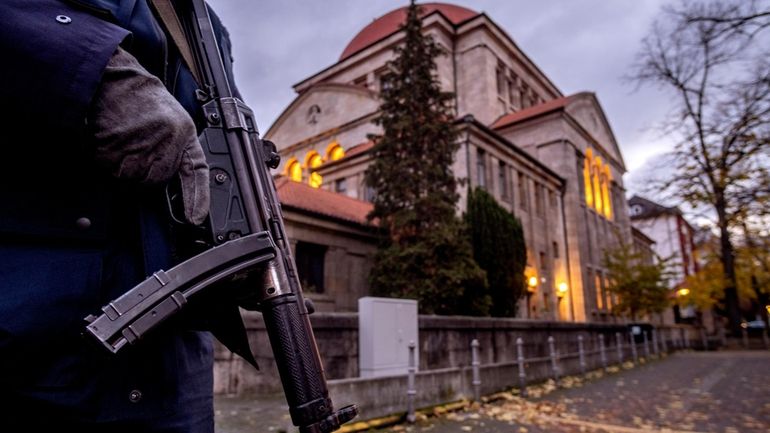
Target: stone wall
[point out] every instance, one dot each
(444, 344)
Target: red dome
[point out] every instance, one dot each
(390, 22)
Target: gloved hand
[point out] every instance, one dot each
(143, 134)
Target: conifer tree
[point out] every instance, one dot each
(499, 248)
(425, 254)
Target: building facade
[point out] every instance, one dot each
(674, 240)
(550, 159)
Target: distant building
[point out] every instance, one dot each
(674, 237)
(550, 159)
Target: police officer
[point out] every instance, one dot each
(98, 116)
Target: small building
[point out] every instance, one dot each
(674, 239)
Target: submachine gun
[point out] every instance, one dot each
(245, 242)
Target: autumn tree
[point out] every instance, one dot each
(425, 254)
(499, 248)
(639, 282)
(712, 58)
(752, 269)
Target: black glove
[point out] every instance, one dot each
(143, 134)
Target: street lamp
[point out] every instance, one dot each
(562, 289)
(683, 292)
(532, 283)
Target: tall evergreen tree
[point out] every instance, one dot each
(499, 248)
(426, 254)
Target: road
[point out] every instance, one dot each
(725, 392)
(690, 392)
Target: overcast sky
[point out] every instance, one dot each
(579, 44)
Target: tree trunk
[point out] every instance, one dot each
(728, 264)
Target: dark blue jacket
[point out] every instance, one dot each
(71, 238)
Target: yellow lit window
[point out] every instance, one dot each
(597, 180)
(606, 192)
(597, 184)
(334, 151)
(587, 180)
(599, 291)
(294, 170)
(315, 180)
(312, 161)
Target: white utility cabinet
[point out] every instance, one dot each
(385, 328)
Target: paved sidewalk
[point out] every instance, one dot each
(724, 392)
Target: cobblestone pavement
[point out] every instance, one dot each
(725, 392)
(719, 392)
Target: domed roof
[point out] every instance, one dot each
(390, 22)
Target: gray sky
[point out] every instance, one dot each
(579, 44)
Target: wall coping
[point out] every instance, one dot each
(253, 320)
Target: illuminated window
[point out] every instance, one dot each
(599, 286)
(334, 151)
(587, 178)
(596, 175)
(312, 161)
(597, 179)
(293, 170)
(606, 178)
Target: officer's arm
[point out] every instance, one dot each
(55, 56)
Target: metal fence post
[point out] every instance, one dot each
(646, 345)
(664, 344)
(619, 347)
(411, 392)
(554, 365)
(602, 354)
(745, 334)
(765, 340)
(520, 360)
(655, 347)
(703, 339)
(475, 367)
(582, 355)
(634, 353)
(686, 338)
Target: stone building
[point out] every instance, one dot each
(549, 158)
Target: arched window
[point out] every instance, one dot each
(312, 161)
(587, 181)
(606, 179)
(334, 151)
(293, 170)
(597, 179)
(597, 174)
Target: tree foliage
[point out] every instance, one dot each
(752, 270)
(640, 284)
(499, 248)
(426, 254)
(713, 59)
